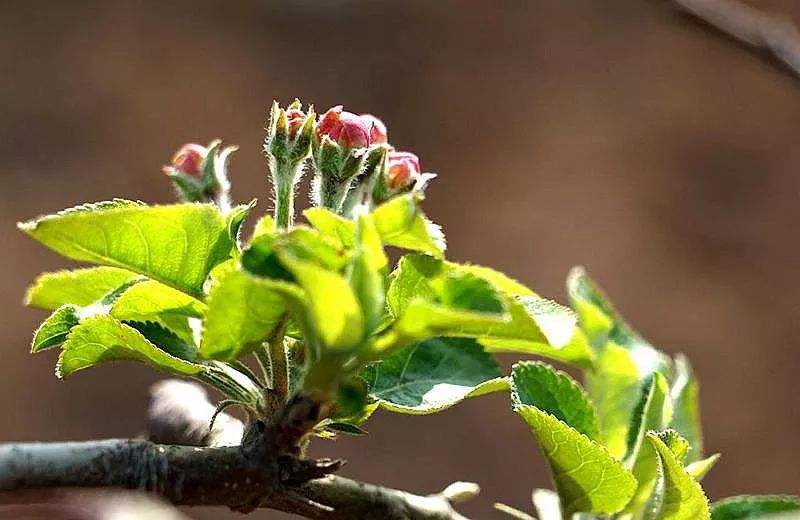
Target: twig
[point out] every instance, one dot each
(749, 25)
(196, 476)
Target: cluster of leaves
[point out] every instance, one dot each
(319, 310)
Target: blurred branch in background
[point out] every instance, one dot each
(747, 24)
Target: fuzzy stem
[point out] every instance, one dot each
(284, 177)
(279, 362)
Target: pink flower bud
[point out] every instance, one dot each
(329, 122)
(377, 130)
(350, 130)
(354, 131)
(402, 168)
(296, 119)
(188, 160)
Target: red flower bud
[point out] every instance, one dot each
(329, 122)
(350, 130)
(354, 131)
(377, 130)
(188, 160)
(296, 119)
(402, 168)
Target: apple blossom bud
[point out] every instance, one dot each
(329, 121)
(354, 131)
(296, 118)
(402, 169)
(377, 130)
(188, 160)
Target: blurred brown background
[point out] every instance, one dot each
(616, 134)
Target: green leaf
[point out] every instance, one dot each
(687, 407)
(337, 228)
(365, 275)
(177, 245)
(681, 497)
(533, 325)
(149, 299)
(264, 226)
(587, 477)
(700, 468)
(100, 339)
(243, 310)
(53, 331)
(166, 340)
(79, 287)
(614, 386)
(433, 375)
(555, 392)
(741, 507)
(652, 413)
(236, 217)
(602, 323)
(332, 307)
(401, 223)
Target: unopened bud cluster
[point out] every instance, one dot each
(352, 160)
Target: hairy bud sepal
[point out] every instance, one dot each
(287, 146)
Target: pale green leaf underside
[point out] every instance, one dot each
(433, 375)
(80, 287)
(242, 311)
(587, 477)
(101, 339)
(177, 245)
(555, 392)
(748, 506)
(682, 497)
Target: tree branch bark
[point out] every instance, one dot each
(750, 26)
(204, 476)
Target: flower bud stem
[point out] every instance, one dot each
(332, 193)
(284, 177)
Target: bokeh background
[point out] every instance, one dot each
(620, 135)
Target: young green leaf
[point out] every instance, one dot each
(264, 226)
(555, 392)
(533, 325)
(236, 217)
(433, 375)
(700, 468)
(53, 331)
(177, 245)
(366, 275)
(686, 421)
(148, 299)
(100, 339)
(742, 507)
(602, 323)
(333, 308)
(587, 477)
(242, 312)
(680, 497)
(614, 386)
(79, 287)
(652, 413)
(401, 223)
